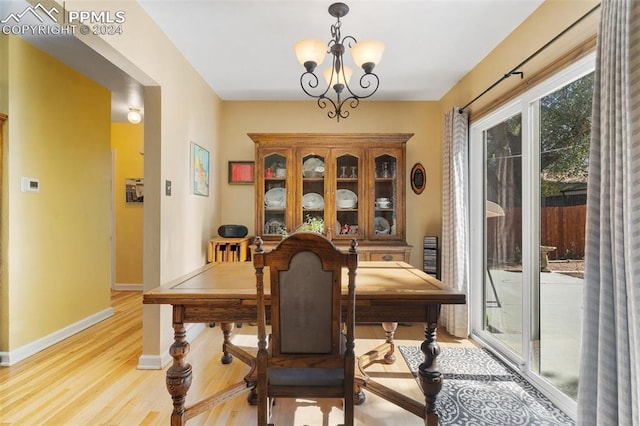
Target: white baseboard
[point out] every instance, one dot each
(12, 357)
(127, 287)
(158, 362)
(154, 362)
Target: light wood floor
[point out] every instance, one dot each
(91, 378)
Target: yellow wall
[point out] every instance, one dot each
(56, 266)
(420, 118)
(126, 142)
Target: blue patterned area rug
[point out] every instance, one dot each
(479, 390)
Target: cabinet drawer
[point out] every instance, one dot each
(398, 257)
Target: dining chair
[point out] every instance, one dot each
(307, 354)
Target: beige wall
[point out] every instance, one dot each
(126, 142)
(548, 21)
(420, 118)
(56, 249)
(180, 108)
(4, 284)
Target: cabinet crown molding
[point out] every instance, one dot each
(330, 138)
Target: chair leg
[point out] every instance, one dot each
(263, 409)
(348, 412)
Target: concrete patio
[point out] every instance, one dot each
(560, 322)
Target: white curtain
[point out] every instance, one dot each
(455, 229)
(610, 364)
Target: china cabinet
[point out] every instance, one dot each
(349, 185)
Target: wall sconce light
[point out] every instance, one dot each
(134, 116)
(366, 54)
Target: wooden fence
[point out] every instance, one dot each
(560, 227)
(564, 228)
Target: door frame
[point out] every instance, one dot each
(530, 226)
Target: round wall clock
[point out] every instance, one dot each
(418, 178)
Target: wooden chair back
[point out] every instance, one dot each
(307, 355)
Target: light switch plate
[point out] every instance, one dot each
(29, 184)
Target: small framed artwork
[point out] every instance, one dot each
(241, 172)
(418, 178)
(134, 190)
(200, 170)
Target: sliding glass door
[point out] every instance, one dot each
(503, 237)
(529, 165)
(563, 123)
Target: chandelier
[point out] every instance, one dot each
(366, 54)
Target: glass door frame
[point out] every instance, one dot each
(477, 235)
(531, 210)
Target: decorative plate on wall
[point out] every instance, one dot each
(418, 178)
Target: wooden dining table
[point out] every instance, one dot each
(386, 292)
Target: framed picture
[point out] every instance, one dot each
(200, 170)
(241, 172)
(134, 190)
(418, 178)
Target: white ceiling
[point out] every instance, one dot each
(244, 49)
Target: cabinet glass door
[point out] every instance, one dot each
(275, 194)
(349, 175)
(312, 217)
(385, 196)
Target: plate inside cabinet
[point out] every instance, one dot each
(312, 200)
(313, 168)
(275, 197)
(274, 226)
(382, 226)
(346, 199)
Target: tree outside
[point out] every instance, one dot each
(565, 131)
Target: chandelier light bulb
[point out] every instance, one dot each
(367, 54)
(337, 77)
(310, 53)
